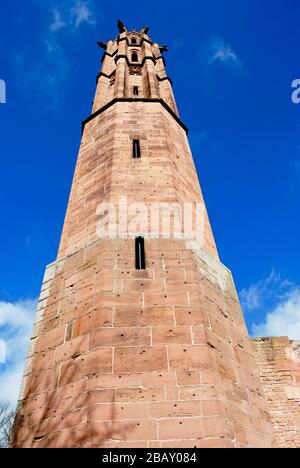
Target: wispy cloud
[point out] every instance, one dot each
(295, 168)
(217, 52)
(72, 15)
(82, 13)
(58, 22)
(278, 302)
(46, 68)
(45, 77)
(178, 44)
(259, 294)
(265, 293)
(15, 330)
(197, 139)
(34, 234)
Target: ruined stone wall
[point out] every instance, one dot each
(279, 363)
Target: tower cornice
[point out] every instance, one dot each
(150, 100)
(101, 73)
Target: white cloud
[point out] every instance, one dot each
(10, 383)
(277, 301)
(15, 330)
(217, 51)
(284, 320)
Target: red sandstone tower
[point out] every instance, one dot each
(138, 344)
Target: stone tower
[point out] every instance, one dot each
(138, 342)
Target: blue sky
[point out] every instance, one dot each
(232, 64)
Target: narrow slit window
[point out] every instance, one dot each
(140, 262)
(136, 152)
(135, 90)
(133, 40)
(134, 57)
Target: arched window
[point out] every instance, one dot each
(133, 40)
(134, 57)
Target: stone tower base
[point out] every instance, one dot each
(153, 358)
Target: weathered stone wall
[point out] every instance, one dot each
(105, 169)
(279, 363)
(154, 358)
(121, 357)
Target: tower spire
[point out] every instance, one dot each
(121, 27)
